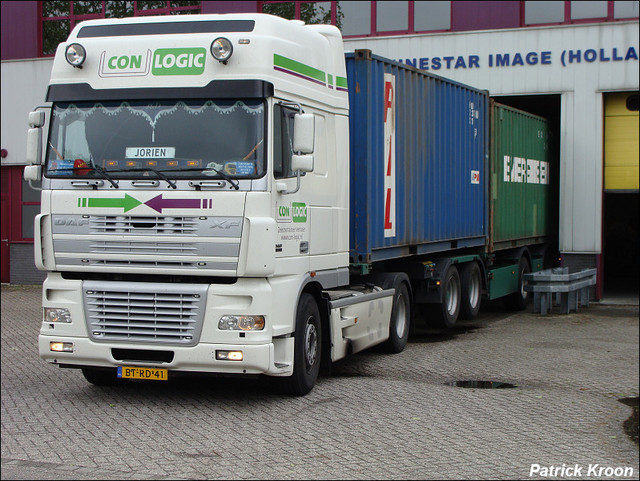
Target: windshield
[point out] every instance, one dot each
(173, 139)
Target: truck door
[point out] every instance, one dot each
(313, 220)
(292, 209)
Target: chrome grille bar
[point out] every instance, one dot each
(122, 224)
(144, 312)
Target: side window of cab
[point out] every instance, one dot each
(283, 141)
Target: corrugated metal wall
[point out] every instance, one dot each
(440, 173)
(521, 187)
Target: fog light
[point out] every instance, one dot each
(75, 55)
(229, 355)
(54, 314)
(241, 323)
(221, 49)
(61, 346)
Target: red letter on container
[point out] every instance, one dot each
(390, 155)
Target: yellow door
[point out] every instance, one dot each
(621, 142)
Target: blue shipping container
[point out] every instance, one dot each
(419, 161)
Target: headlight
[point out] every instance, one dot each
(75, 55)
(54, 314)
(241, 323)
(221, 49)
(61, 346)
(229, 355)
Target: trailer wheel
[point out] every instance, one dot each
(100, 376)
(400, 322)
(446, 313)
(518, 300)
(471, 287)
(306, 357)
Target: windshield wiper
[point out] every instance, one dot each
(91, 168)
(234, 183)
(221, 173)
(101, 171)
(164, 177)
(157, 172)
(226, 177)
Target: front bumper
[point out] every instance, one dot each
(257, 358)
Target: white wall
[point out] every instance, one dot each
(611, 64)
(24, 87)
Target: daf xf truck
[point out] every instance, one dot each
(233, 194)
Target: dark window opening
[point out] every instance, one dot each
(632, 102)
(58, 18)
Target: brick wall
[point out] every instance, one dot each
(577, 262)
(23, 269)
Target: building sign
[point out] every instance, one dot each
(553, 59)
(523, 59)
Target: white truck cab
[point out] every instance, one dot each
(195, 203)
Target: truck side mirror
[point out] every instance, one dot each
(303, 163)
(36, 119)
(34, 146)
(34, 137)
(299, 164)
(303, 133)
(32, 172)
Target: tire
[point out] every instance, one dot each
(445, 314)
(100, 376)
(400, 322)
(471, 289)
(519, 299)
(307, 350)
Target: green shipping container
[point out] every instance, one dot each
(520, 184)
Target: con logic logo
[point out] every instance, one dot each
(179, 61)
(295, 212)
(162, 61)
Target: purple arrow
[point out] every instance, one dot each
(158, 203)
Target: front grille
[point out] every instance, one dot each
(138, 247)
(123, 224)
(144, 312)
(226, 266)
(159, 264)
(138, 243)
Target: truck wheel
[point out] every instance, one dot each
(446, 313)
(306, 357)
(400, 322)
(471, 287)
(100, 376)
(518, 300)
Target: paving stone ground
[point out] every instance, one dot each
(378, 416)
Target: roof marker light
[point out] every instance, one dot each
(75, 55)
(221, 49)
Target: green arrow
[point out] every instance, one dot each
(127, 203)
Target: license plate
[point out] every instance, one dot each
(153, 374)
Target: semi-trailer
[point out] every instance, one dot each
(234, 194)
